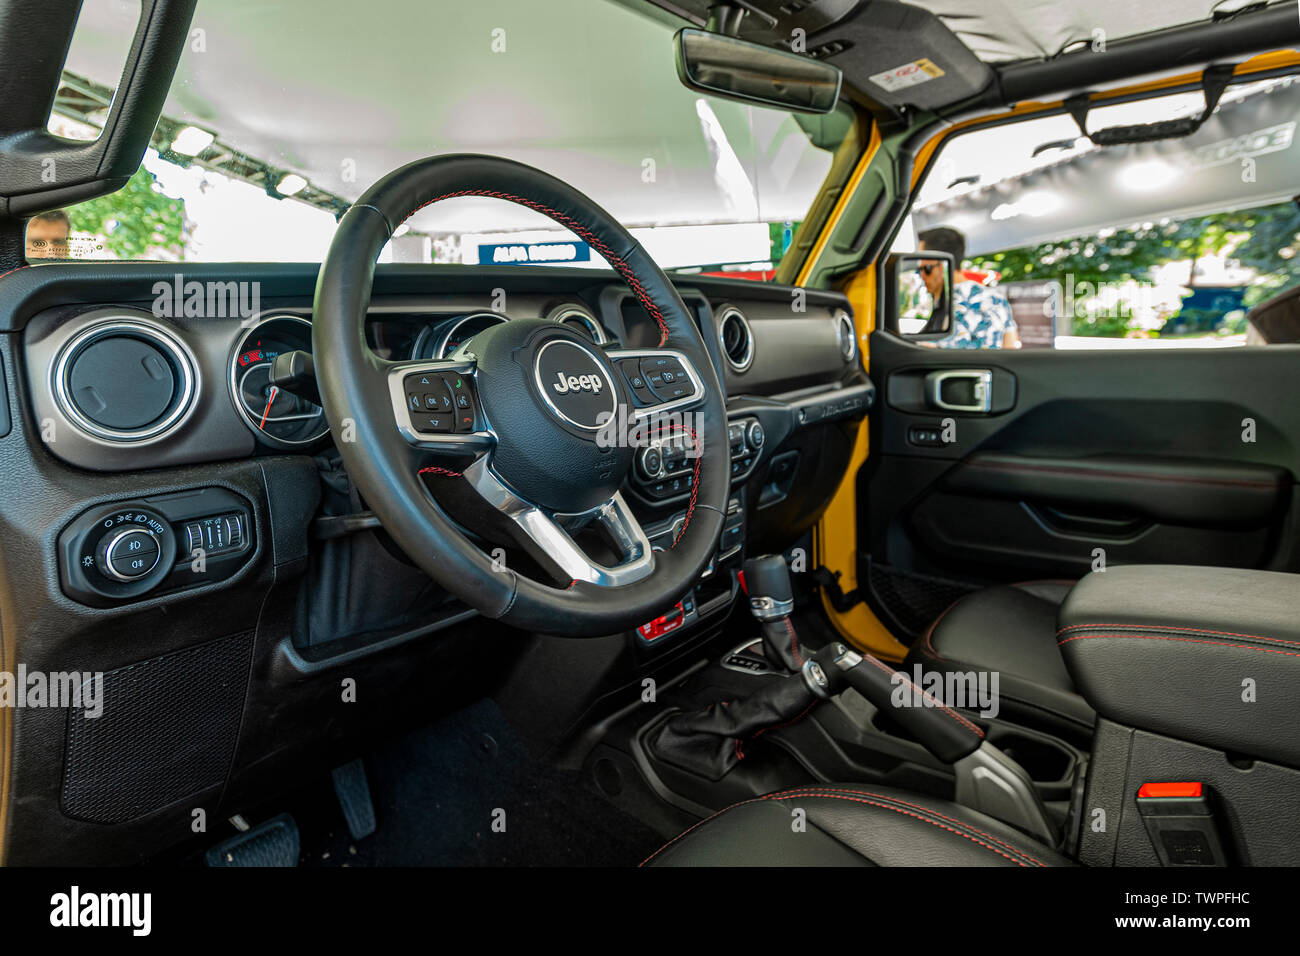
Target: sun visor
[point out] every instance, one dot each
(902, 55)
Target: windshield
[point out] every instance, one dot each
(283, 113)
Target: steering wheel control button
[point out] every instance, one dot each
(436, 424)
(461, 404)
(650, 463)
(432, 401)
(641, 393)
(667, 378)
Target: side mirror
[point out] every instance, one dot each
(918, 293)
(751, 73)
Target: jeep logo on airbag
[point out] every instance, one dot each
(573, 382)
(577, 383)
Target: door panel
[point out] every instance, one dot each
(1172, 456)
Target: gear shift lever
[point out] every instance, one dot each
(771, 601)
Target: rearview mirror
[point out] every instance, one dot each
(739, 70)
(921, 292)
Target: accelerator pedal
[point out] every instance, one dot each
(353, 790)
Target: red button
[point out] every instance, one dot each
(663, 624)
(1186, 789)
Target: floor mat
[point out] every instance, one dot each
(463, 792)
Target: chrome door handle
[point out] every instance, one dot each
(981, 389)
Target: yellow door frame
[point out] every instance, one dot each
(835, 543)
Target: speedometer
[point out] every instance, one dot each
(277, 417)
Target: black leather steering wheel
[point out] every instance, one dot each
(513, 432)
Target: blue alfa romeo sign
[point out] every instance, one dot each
(532, 253)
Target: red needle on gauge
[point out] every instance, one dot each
(275, 390)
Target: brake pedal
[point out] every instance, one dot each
(353, 790)
(272, 843)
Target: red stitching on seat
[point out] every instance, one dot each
(696, 826)
(927, 642)
(974, 728)
(831, 794)
(812, 791)
(1183, 640)
(1170, 627)
(623, 268)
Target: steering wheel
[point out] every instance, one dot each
(528, 430)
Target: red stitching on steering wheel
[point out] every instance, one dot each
(695, 477)
(623, 268)
(440, 472)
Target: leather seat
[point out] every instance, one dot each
(852, 825)
(1012, 630)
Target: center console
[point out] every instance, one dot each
(1195, 675)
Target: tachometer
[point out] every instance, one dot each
(277, 417)
(439, 339)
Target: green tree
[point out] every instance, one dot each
(1264, 238)
(137, 221)
(1269, 244)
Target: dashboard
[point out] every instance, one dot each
(144, 381)
(179, 524)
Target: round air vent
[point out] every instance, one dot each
(737, 338)
(124, 380)
(847, 334)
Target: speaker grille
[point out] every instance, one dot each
(168, 729)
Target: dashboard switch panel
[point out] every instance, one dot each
(130, 550)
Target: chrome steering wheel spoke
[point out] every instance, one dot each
(548, 537)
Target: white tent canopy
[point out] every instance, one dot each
(341, 93)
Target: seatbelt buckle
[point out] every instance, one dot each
(1180, 820)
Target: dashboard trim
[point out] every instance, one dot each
(99, 326)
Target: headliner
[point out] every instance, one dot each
(1006, 30)
(312, 87)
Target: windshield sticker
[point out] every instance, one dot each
(909, 74)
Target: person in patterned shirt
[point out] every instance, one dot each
(981, 314)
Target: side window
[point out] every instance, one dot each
(1188, 242)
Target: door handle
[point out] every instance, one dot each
(980, 383)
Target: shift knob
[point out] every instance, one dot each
(767, 579)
